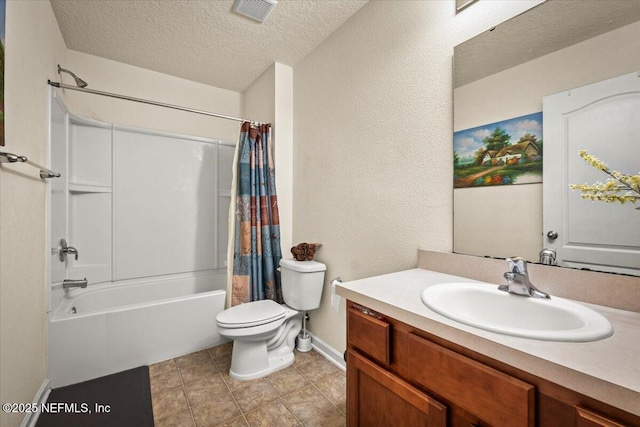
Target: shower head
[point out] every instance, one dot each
(79, 81)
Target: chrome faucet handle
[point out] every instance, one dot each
(65, 250)
(517, 264)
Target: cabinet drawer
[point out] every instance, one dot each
(369, 335)
(496, 398)
(586, 418)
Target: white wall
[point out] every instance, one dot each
(373, 130)
(270, 99)
(34, 47)
(516, 92)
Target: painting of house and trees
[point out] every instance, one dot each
(502, 153)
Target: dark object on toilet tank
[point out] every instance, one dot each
(304, 251)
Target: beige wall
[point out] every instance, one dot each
(110, 76)
(34, 47)
(516, 92)
(270, 99)
(373, 140)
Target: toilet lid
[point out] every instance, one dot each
(251, 314)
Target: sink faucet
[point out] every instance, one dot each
(69, 283)
(518, 280)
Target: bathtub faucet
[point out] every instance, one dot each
(69, 283)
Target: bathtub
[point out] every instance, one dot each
(112, 327)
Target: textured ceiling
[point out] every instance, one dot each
(548, 27)
(202, 41)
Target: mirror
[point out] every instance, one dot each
(503, 74)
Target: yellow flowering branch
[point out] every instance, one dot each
(620, 187)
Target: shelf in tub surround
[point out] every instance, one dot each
(605, 370)
(76, 187)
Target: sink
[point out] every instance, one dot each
(485, 307)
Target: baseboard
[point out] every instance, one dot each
(330, 353)
(31, 418)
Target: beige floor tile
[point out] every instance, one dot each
(254, 395)
(236, 422)
(162, 368)
(215, 411)
(221, 350)
(288, 380)
(307, 402)
(194, 371)
(274, 414)
(301, 358)
(317, 370)
(165, 380)
(236, 384)
(168, 402)
(334, 387)
(343, 407)
(223, 362)
(180, 419)
(196, 358)
(201, 390)
(331, 418)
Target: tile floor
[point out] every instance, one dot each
(196, 391)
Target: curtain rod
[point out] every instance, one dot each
(147, 101)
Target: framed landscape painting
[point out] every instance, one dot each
(502, 153)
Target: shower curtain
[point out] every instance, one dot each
(254, 226)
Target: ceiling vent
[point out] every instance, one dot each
(255, 9)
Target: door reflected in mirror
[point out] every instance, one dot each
(506, 73)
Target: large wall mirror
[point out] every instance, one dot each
(506, 73)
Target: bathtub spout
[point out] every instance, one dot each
(68, 283)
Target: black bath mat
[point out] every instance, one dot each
(126, 395)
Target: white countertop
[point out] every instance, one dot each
(607, 370)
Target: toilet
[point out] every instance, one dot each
(264, 332)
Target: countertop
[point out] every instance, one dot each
(607, 370)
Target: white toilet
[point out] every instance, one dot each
(264, 332)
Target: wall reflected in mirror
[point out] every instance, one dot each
(506, 72)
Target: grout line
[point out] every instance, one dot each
(290, 411)
(184, 391)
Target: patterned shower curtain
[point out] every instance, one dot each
(256, 252)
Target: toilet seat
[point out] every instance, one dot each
(251, 314)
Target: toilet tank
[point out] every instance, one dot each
(302, 283)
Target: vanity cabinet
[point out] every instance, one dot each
(377, 397)
(400, 375)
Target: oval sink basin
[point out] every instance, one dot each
(486, 307)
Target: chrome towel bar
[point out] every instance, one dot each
(12, 158)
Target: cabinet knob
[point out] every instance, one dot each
(552, 235)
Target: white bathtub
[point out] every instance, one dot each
(117, 326)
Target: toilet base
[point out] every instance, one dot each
(275, 363)
(256, 356)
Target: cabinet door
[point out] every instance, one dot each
(376, 397)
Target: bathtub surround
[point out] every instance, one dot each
(256, 252)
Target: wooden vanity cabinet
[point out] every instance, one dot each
(377, 397)
(398, 375)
